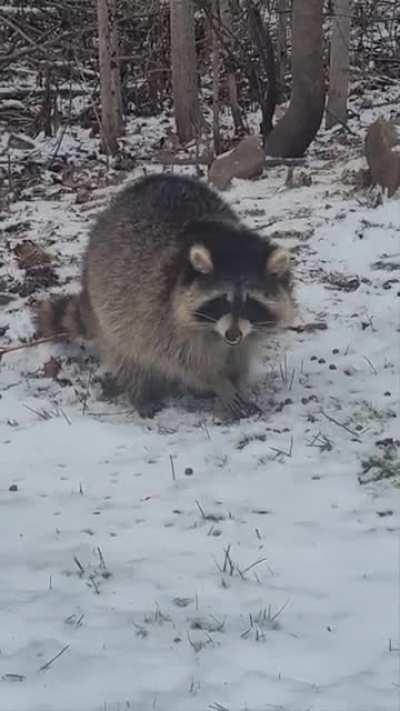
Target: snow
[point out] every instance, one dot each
(184, 564)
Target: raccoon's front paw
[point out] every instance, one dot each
(145, 406)
(110, 388)
(236, 406)
(250, 409)
(149, 409)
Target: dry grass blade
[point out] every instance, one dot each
(341, 424)
(53, 659)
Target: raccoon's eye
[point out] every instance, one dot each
(213, 309)
(256, 312)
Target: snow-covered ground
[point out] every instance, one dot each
(180, 564)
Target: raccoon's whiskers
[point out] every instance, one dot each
(205, 316)
(263, 324)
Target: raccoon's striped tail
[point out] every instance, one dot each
(66, 316)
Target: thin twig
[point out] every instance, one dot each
(101, 558)
(171, 459)
(10, 349)
(371, 365)
(282, 451)
(228, 561)
(340, 424)
(203, 513)
(109, 414)
(79, 565)
(53, 659)
(309, 327)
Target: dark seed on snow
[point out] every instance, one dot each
(322, 360)
(188, 471)
(335, 351)
(332, 366)
(13, 487)
(387, 393)
(314, 358)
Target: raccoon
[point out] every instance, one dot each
(176, 293)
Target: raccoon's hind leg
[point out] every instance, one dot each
(71, 316)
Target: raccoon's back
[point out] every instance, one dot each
(134, 248)
(151, 212)
(133, 257)
(171, 199)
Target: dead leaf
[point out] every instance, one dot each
(52, 368)
(30, 255)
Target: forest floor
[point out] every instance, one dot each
(180, 564)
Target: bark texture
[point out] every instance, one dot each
(293, 134)
(339, 68)
(110, 90)
(226, 26)
(184, 70)
(216, 66)
(283, 28)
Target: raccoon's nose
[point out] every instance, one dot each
(233, 335)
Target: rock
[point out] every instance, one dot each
(245, 161)
(382, 149)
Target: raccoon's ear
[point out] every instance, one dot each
(278, 262)
(200, 259)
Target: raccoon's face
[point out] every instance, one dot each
(240, 301)
(234, 313)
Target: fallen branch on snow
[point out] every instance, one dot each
(10, 349)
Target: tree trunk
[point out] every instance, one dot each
(261, 37)
(339, 69)
(116, 76)
(283, 26)
(226, 26)
(109, 77)
(295, 131)
(216, 65)
(184, 70)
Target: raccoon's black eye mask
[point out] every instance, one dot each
(213, 309)
(250, 309)
(256, 312)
